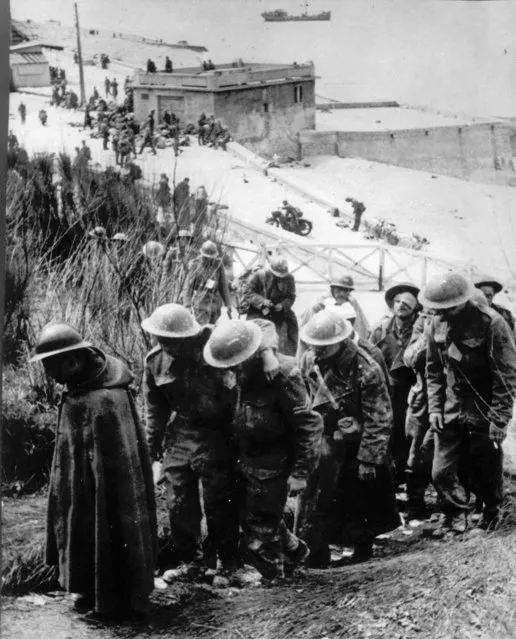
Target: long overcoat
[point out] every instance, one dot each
(101, 510)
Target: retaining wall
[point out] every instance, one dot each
(457, 151)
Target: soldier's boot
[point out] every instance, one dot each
(319, 557)
(361, 552)
(488, 521)
(232, 574)
(416, 507)
(296, 556)
(269, 565)
(450, 526)
(186, 571)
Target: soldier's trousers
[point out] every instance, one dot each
(420, 455)
(462, 456)
(262, 504)
(399, 444)
(220, 507)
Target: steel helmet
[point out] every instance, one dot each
(56, 338)
(122, 237)
(185, 233)
(98, 231)
(171, 320)
(446, 291)
(325, 328)
(231, 343)
(486, 280)
(343, 281)
(153, 250)
(404, 287)
(278, 266)
(209, 250)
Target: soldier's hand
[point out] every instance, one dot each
(270, 364)
(436, 422)
(496, 435)
(366, 472)
(296, 485)
(278, 307)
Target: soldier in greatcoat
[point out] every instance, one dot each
(101, 529)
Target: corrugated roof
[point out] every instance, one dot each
(27, 58)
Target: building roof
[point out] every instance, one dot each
(27, 58)
(18, 34)
(36, 44)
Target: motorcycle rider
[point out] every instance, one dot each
(292, 214)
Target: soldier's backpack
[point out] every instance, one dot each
(242, 289)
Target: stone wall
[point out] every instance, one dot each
(470, 151)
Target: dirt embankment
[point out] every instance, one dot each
(413, 588)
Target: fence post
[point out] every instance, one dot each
(330, 265)
(381, 269)
(424, 274)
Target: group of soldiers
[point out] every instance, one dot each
(212, 132)
(240, 414)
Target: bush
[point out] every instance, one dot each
(28, 433)
(57, 270)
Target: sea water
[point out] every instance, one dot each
(452, 56)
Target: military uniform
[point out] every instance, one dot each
(339, 508)
(278, 435)
(419, 461)
(392, 339)
(206, 289)
(506, 314)
(471, 376)
(188, 412)
(264, 285)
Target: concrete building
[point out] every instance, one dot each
(29, 67)
(263, 105)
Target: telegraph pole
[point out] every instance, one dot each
(79, 53)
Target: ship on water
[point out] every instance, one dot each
(279, 15)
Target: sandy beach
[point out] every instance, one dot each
(464, 221)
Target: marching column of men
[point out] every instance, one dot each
(239, 426)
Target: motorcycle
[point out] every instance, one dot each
(288, 223)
